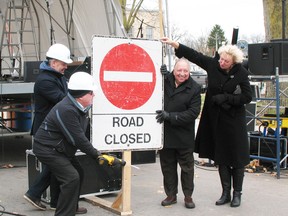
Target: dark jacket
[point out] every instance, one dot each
(64, 128)
(222, 133)
(183, 104)
(50, 88)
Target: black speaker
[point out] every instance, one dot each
(265, 57)
(84, 66)
(31, 70)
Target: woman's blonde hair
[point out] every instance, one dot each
(234, 51)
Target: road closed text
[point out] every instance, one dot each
(127, 138)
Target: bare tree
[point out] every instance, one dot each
(129, 19)
(257, 38)
(199, 43)
(176, 33)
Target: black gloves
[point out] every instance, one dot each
(219, 99)
(96, 154)
(164, 70)
(222, 99)
(162, 116)
(226, 106)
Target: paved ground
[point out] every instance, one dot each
(263, 194)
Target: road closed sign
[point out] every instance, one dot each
(129, 81)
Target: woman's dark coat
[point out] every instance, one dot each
(222, 133)
(183, 104)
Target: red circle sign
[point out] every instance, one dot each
(127, 76)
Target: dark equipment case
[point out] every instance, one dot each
(98, 179)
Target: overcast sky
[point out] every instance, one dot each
(199, 16)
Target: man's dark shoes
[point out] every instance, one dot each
(81, 210)
(34, 202)
(169, 201)
(189, 202)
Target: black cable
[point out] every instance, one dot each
(10, 213)
(2, 209)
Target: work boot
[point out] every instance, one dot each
(169, 201)
(225, 177)
(189, 202)
(236, 201)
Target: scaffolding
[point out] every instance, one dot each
(19, 39)
(277, 137)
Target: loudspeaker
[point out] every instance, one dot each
(265, 57)
(84, 66)
(31, 70)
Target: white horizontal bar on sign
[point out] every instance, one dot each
(128, 76)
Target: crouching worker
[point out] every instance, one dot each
(61, 134)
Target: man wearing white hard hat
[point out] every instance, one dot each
(51, 85)
(61, 134)
(50, 88)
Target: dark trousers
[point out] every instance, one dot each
(169, 159)
(68, 172)
(41, 183)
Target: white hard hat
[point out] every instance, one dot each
(59, 52)
(81, 81)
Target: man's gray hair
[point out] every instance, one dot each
(184, 60)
